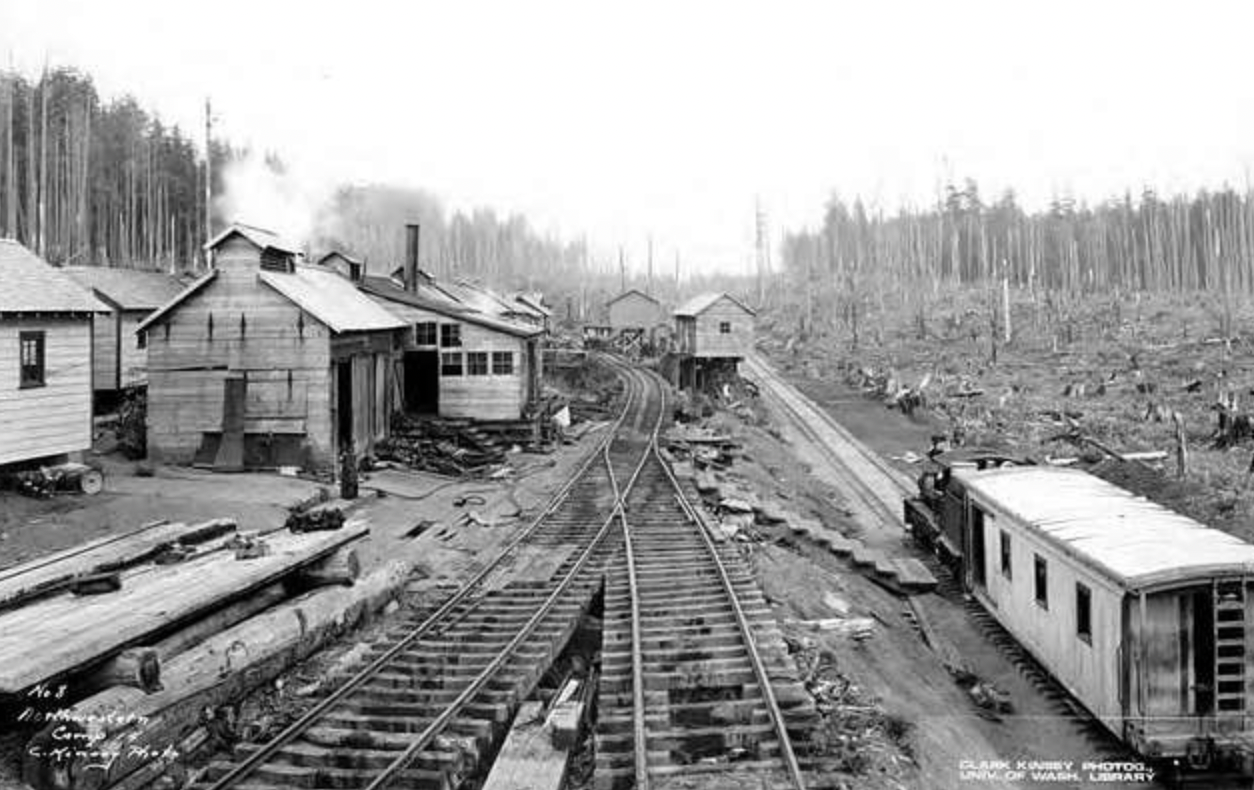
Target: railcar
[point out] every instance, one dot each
(1143, 614)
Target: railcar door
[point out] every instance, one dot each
(979, 560)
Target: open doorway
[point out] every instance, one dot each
(344, 403)
(422, 382)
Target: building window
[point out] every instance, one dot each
(425, 333)
(141, 340)
(1083, 613)
(477, 363)
(724, 327)
(1042, 581)
(450, 335)
(32, 358)
(503, 363)
(276, 261)
(1006, 569)
(451, 363)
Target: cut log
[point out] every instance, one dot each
(216, 672)
(138, 668)
(342, 567)
(76, 632)
(187, 638)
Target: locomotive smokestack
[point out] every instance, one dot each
(411, 258)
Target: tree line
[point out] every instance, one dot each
(1184, 243)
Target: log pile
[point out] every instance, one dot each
(447, 447)
(111, 646)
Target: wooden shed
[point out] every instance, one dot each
(713, 332)
(119, 359)
(45, 358)
(265, 362)
(461, 363)
(634, 309)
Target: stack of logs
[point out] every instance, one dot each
(446, 447)
(117, 657)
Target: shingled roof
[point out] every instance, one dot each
(28, 284)
(129, 289)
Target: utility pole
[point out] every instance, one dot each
(622, 271)
(648, 289)
(208, 176)
(762, 244)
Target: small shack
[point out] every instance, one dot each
(634, 309)
(345, 264)
(713, 332)
(265, 362)
(119, 359)
(45, 359)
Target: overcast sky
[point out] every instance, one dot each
(668, 118)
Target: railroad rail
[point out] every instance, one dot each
(695, 677)
(440, 688)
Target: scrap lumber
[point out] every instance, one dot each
(78, 632)
(214, 673)
(47, 575)
(528, 757)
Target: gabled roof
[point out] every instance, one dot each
(28, 284)
(1134, 542)
(336, 253)
(699, 304)
(264, 239)
(633, 292)
(129, 289)
(165, 309)
(534, 301)
(384, 291)
(331, 299)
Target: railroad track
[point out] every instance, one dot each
(873, 488)
(695, 676)
(440, 688)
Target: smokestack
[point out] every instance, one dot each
(411, 258)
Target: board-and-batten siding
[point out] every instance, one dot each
(634, 311)
(55, 418)
(707, 341)
(187, 366)
(1089, 670)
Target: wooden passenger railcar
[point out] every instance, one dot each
(1143, 614)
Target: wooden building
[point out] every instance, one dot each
(535, 301)
(461, 363)
(345, 264)
(119, 359)
(45, 359)
(713, 332)
(634, 310)
(265, 362)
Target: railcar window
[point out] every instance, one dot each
(1042, 581)
(1006, 569)
(1083, 613)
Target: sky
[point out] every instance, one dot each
(624, 121)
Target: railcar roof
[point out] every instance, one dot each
(1136, 542)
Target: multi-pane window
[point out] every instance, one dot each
(724, 327)
(1042, 580)
(451, 363)
(477, 363)
(1083, 613)
(1006, 569)
(32, 358)
(503, 363)
(450, 335)
(425, 333)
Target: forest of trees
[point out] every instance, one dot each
(1203, 242)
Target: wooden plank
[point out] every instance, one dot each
(864, 557)
(913, 575)
(37, 577)
(528, 757)
(73, 632)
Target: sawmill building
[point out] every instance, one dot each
(634, 310)
(119, 358)
(45, 359)
(267, 362)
